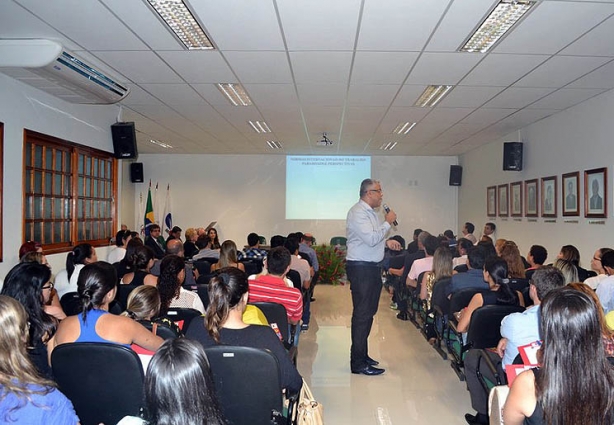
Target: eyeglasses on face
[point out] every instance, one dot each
(49, 285)
(376, 190)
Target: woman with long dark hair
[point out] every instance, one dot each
(66, 280)
(223, 324)
(97, 288)
(571, 253)
(29, 283)
(141, 260)
(575, 383)
(215, 241)
(25, 396)
(172, 276)
(496, 274)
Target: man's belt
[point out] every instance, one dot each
(363, 263)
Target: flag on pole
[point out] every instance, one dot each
(167, 216)
(156, 204)
(149, 212)
(140, 213)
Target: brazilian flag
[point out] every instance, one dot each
(149, 212)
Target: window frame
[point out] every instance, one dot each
(73, 151)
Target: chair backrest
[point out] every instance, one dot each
(204, 279)
(295, 277)
(104, 381)
(397, 261)
(460, 299)
(275, 313)
(484, 326)
(251, 266)
(439, 300)
(123, 292)
(202, 290)
(186, 314)
(338, 240)
(518, 284)
(261, 240)
(71, 303)
(163, 331)
(248, 384)
(203, 266)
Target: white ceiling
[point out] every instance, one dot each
(350, 68)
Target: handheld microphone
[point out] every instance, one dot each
(387, 209)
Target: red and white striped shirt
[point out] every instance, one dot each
(273, 289)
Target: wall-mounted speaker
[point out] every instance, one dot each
(456, 175)
(124, 140)
(136, 172)
(512, 156)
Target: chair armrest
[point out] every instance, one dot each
(491, 366)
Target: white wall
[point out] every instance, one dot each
(247, 193)
(577, 139)
(23, 107)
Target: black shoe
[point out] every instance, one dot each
(369, 371)
(477, 419)
(312, 299)
(371, 362)
(403, 316)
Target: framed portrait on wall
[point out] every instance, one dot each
(491, 201)
(502, 198)
(516, 197)
(549, 196)
(530, 196)
(595, 193)
(571, 198)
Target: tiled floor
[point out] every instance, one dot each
(417, 388)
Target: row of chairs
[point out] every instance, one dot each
(105, 383)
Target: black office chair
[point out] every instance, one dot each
(203, 265)
(103, 381)
(123, 292)
(251, 266)
(71, 303)
(182, 314)
(295, 277)
(248, 385)
(261, 240)
(339, 240)
(440, 307)
(163, 331)
(276, 314)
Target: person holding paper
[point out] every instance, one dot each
(516, 329)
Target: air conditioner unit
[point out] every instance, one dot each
(46, 65)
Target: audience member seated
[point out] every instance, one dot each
(499, 246)
(97, 287)
(570, 272)
(66, 280)
(213, 239)
(29, 246)
(178, 368)
(516, 329)
(228, 257)
(489, 231)
(467, 231)
(489, 248)
(441, 269)
(189, 247)
(495, 274)
(474, 277)
(175, 247)
(511, 254)
(29, 283)
(119, 252)
(27, 397)
(124, 265)
(425, 264)
(571, 253)
(575, 383)
(412, 247)
(462, 247)
(297, 263)
(141, 261)
(271, 287)
(223, 323)
(401, 292)
(175, 233)
(156, 241)
(51, 304)
(277, 240)
(536, 259)
(253, 250)
(605, 290)
(144, 307)
(204, 249)
(597, 267)
(172, 276)
(606, 333)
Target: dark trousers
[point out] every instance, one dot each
(366, 286)
(479, 397)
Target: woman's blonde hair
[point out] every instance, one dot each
(228, 254)
(16, 370)
(189, 232)
(511, 254)
(143, 303)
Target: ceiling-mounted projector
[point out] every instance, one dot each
(325, 141)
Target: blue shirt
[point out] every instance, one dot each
(50, 408)
(366, 234)
(472, 278)
(605, 293)
(306, 249)
(519, 329)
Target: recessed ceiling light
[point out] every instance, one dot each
(388, 146)
(502, 18)
(162, 144)
(273, 144)
(235, 93)
(260, 126)
(432, 95)
(404, 127)
(182, 23)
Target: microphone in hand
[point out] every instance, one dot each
(387, 209)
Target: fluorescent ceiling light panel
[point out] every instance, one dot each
(432, 95)
(388, 146)
(235, 93)
(273, 145)
(404, 127)
(502, 18)
(182, 23)
(162, 144)
(260, 126)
